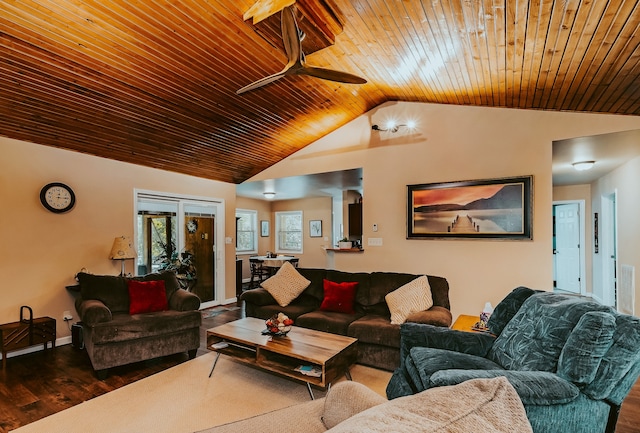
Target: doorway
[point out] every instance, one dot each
(609, 249)
(182, 233)
(568, 247)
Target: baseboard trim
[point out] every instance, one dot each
(39, 348)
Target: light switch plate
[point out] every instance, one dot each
(374, 242)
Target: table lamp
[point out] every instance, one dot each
(122, 250)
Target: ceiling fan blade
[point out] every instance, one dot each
(262, 82)
(291, 35)
(331, 75)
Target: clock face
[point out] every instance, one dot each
(57, 197)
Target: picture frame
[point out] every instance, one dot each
(315, 228)
(474, 209)
(264, 229)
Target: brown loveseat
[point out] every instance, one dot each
(378, 338)
(113, 336)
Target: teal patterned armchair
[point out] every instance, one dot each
(572, 361)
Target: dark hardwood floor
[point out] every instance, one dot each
(39, 384)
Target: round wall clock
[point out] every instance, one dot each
(57, 197)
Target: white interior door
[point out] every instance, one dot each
(567, 248)
(609, 250)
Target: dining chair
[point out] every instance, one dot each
(294, 261)
(259, 272)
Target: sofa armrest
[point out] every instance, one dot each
(437, 316)
(533, 387)
(92, 311)
(346, 399)
(437, 337)
(181, 300)
(258, 296)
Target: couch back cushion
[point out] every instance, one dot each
(534, 338)
(586, 346)
(620, 366)
(507, 308)
(316, 276)
(111, 290)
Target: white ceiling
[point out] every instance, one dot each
(609, 151)
(312, 185)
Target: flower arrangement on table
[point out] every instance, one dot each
(278, 324)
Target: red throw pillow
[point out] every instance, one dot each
(147, 296)
(339, 297)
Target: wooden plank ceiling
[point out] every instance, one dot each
(153, 82)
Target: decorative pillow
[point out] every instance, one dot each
(339, 297)
(286, 285)
(147, 296)
(412, 297)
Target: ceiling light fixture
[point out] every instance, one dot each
(269, 195)
(394, 127)
(583, 165)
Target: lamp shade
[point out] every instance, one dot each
(122, 249)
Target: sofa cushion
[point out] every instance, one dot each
(316, 276)
(109, 289)
(586, 346)
(422, 362)
(286, 285)
(372, 329)
(147, 296)
(507, 308)
(327, 321)
(125, 327)
(410, 298)
(533, 387)
(339, 297)
(483, 405)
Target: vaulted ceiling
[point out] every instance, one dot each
(153, 82)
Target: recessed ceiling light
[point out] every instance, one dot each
(583, 165)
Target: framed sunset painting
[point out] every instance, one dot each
(473, 209)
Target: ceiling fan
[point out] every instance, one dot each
(292, 39)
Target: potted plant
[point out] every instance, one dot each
(345, 244)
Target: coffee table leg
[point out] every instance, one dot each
(215, 361)
(310, 391)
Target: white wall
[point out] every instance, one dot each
(624, 181)
(451, 143)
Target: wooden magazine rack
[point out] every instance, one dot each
(26, 332)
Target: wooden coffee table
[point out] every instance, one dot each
(330, 354)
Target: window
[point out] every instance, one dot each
(289, 232)
(247, 233)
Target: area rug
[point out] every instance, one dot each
(184, 399)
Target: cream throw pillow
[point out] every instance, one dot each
(286, 285)
(412, 297)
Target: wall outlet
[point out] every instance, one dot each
(66, 316)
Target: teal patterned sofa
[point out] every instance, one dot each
(572, 361)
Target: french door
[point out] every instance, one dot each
(182, 234)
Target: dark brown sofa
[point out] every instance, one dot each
(114, 337)
(378, 339)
